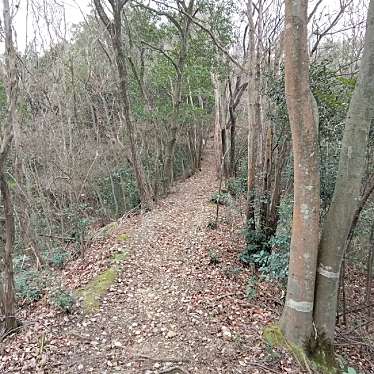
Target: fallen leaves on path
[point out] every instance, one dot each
(170, 310)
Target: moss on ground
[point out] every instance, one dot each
(92, 293)
(273, 335)
(122, 237)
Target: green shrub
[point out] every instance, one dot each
(237, 186)
(222, 198)
(30, 285)
(256, 244)
(63, 300)
(276, 265)
(58, 258)
(271, 256)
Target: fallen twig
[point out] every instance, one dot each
(162, 359)
(261, 366)
(173, 370)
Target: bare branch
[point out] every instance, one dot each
(103, 16)
(163, 52)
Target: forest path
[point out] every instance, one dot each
(170, 310)
(161, 317)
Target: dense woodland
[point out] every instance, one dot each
(103, 120)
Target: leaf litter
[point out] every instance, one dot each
(169, 309)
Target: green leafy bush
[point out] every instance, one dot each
(256, 245)
(63, 300)
(222, 198)
(30, 285)
(275, 266)
(271, 256)
(237, 186)
(58, 258)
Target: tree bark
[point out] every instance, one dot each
(218, 150)
(276, 195)
(8, 303)
(184, 30)
(7, 292)
(253, 125)
(347, 189)
(296, 320)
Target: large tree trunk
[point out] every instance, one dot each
(115, 31)
(347, 189)
(8, 304)
(7, 293)
(296, 320)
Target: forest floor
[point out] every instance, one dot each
(180, 301)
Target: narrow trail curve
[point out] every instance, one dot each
(157, 318)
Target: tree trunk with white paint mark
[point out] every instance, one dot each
(347, 189)
(297, 317)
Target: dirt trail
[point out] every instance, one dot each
(155, 320)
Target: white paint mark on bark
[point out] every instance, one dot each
(325, 271)
(300, 306)
(350, 152)
(305, 211)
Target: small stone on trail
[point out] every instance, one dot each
(226, 333)
(171, 334)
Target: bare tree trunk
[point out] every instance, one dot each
(266, 181)
(253, 125)
(184, 30)
(7, 305)
(273, 216)
(218, 151)
(115, 30)
(347, 189)
(297, 317)
(235, 97)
